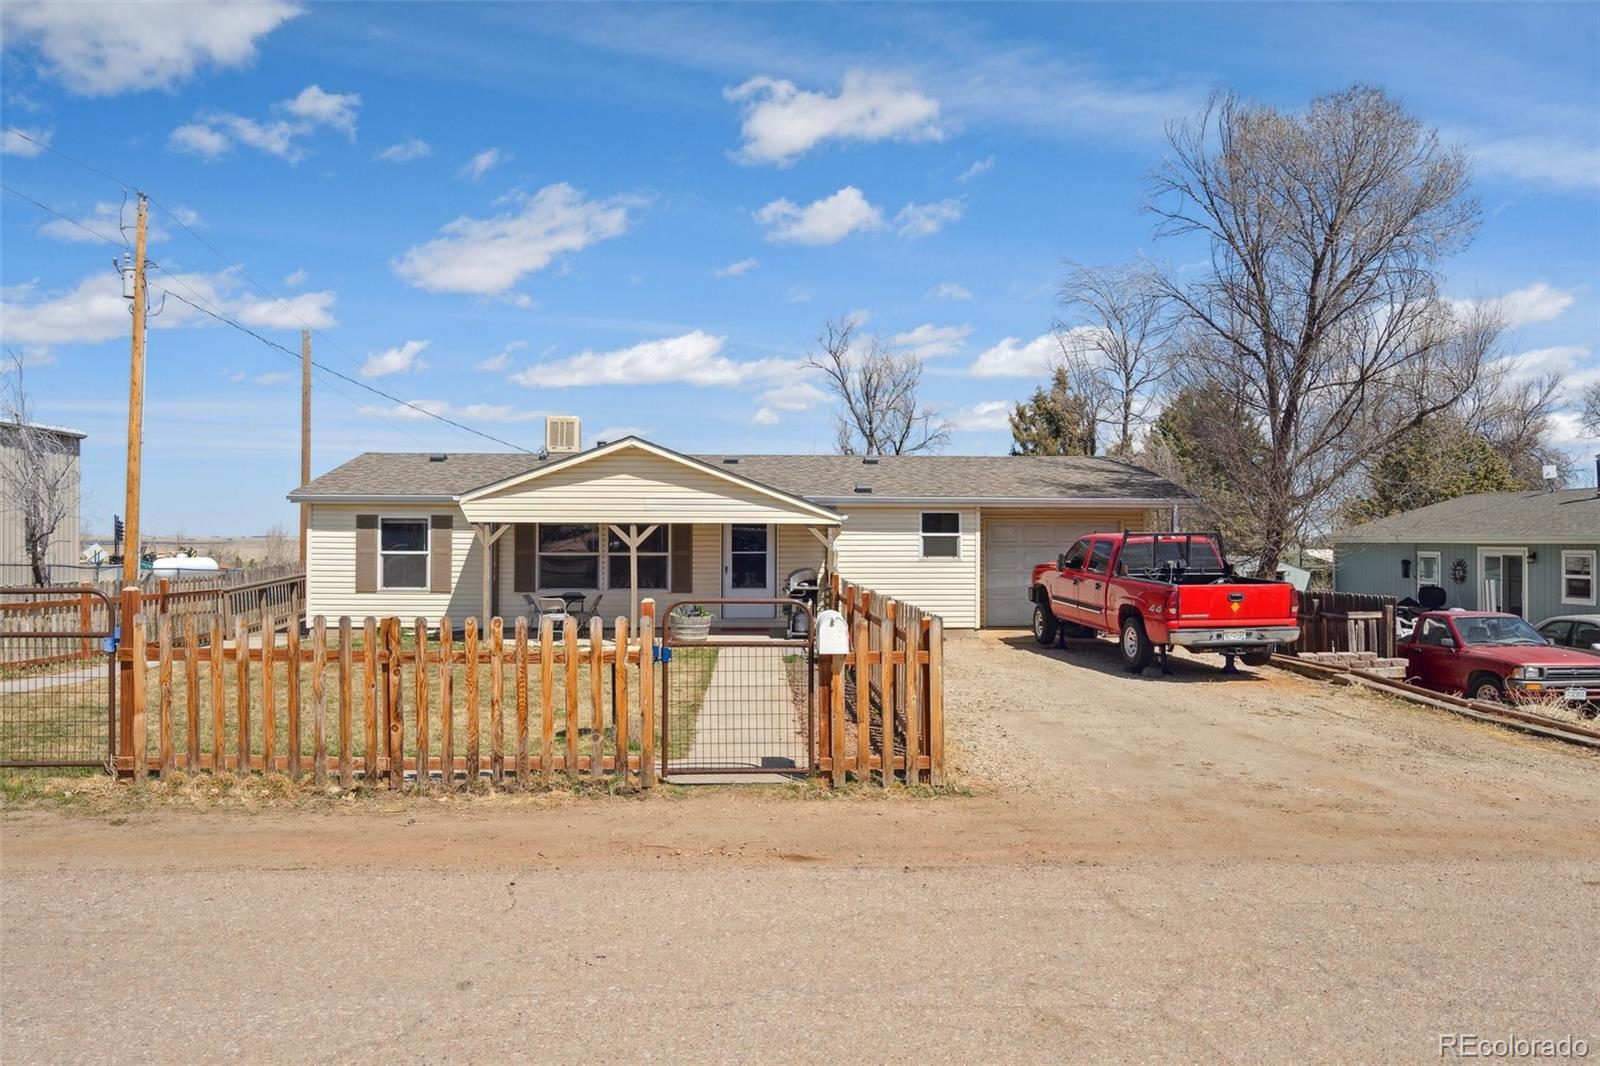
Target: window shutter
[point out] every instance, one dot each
(525, 543)
(681, 546)
(366, 553)
(440, 573)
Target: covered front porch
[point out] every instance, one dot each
(612, 527)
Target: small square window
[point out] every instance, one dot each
(1578, 577)
(941, 534)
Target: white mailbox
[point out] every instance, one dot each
(833, 636)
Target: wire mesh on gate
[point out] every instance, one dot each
(57, 677)
(737, 703)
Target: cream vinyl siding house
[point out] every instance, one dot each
(707, 528)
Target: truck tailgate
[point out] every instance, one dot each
(1234, 604)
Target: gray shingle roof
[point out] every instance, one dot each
(1571, 515)
(815, 477)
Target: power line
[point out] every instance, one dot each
(225, 320)
(56, 151)
(119, 242)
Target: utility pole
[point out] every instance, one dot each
(131, 546)
(305, 434)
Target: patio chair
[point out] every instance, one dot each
(586, 609)
(542, 607)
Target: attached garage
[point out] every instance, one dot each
(1011, 548)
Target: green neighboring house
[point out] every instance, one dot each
(1531, 553)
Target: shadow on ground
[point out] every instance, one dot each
(1101, 656)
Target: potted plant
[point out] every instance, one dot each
(691, 623)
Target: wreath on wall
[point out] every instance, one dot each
(1458, 571)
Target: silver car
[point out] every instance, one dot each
(1581, 632)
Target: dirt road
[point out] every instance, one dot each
(1253, 870)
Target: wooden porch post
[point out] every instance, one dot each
(633, 538)
(488, 535)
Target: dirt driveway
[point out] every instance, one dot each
(1254, 869)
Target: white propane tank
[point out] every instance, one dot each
(833, 636)
(176, 566)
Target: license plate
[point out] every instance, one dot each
(1577, 695)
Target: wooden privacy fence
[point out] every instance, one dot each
(1346, 622)
(382, 699)
(278, 597)
(882, 706)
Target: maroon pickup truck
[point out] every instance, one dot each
(1157, 591)
(1490, 656)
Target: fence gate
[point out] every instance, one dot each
(735, 703)
(58, 678)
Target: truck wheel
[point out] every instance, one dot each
(1134, 644)
(1260, 657)
(1044, 625)
(1488, 688)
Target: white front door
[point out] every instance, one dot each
(1502, 579)
(747, 570)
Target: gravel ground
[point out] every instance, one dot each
(1256, 869)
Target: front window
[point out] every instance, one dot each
(569, 556)
(941, 535)
(1427, 568)
(1077, 555)
(1497, 629)
(403, 545)
(653, 554)
(1577, 577)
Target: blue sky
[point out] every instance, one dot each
(642, 215)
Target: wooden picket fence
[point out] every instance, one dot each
(281, 598)
(882, 706)
(408, 703)
(50, 609)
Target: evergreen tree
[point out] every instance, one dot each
(1057, 422)
(1442, 461)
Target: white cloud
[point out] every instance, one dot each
(215, 133)
(488, 256)
(1571, 362)
(1538, 302)
(985, 416)
(1548, 159)
(297, 279)
(1011, 358)
(610, 433)
(500, 361)
(801, 396)
(95, 310)
(103, 49)
(929, 341)
(471, 412)
(274, 378)
(825, 221)
(978, 169)
(402, 360)
(406, 151)
(797, 295)
(782, 122)
(106, 220)
(923, 220)
(734, 270)
(26, 147)
(764, 416)
(693, 358)
(319, 108)
(485, 161)
(949, 290)
(188, 216)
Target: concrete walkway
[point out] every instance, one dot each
(747, 720)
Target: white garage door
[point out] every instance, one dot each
(1011, 548)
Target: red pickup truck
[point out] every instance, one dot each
(1491, 656)
(1159, 591)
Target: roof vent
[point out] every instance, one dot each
(869, 460)
(561, 434)
(437, 457)
(730, 459)
(863, 489)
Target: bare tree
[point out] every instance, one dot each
(1320, 307)
(877, 392)
(1591, 409)
(1514, 415)
(1114, 344)
(37, 469)
(277, 547)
